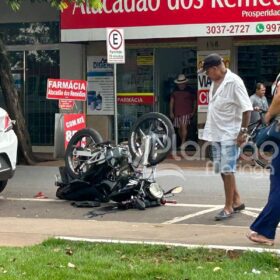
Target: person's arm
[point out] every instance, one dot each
(194, 107)
(274, 108)
(242, 136)
(171, 107)
(245, 119)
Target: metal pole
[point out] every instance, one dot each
(116, 105)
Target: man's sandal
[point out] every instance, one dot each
(223, 215)
(239, 208)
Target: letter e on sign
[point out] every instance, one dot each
(115, 45)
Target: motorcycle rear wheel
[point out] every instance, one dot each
(84, 139)
(161, 130)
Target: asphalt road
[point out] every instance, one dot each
(201, 199)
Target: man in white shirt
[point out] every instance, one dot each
(226, 127)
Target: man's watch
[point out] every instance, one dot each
(243, 130)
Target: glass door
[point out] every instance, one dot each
(135, 82)
(40, 112)
(30, 70)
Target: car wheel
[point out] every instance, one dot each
(3, 185)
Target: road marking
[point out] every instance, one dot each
(179, 219)
(192, 205)
(250, 213)
(190, 246)
(205, 206)
(212, 208)
(167, 204)
(32, 199)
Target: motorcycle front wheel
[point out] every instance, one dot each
(84, 140)
(161, 131)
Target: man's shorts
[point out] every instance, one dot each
(225, 155)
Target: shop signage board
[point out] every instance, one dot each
(171, 18)
(136, 98)
(115, 45)
(67, 89)
(204, 81)
(72, 123)
(100, 97)
(65, 104)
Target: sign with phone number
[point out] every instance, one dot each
(261, 28)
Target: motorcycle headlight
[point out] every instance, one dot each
(155, 190)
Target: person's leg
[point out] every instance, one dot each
(267, 221)
(229, 155)
(229, 188)
(236, 195)
(183, 133)
(216, 156)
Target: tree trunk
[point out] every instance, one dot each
(14, 108)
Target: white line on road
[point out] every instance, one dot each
(205, 206)
(193, 205)
(32, 199)
(179, 219)
(250, 213)
(167, 204)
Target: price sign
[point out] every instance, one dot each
(72, 123)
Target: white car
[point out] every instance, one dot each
(8, 149)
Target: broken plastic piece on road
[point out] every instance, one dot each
(40, 195)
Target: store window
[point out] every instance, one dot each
(34, 58)
(135, 84)
(258, 64)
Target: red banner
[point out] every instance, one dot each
(193, 17)
(116, 13)
(72, 123)
(135, 99)
(67, 89)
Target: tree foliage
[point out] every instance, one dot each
(59, 4)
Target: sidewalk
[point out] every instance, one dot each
(26, 231)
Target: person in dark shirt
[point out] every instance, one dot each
(182, 106)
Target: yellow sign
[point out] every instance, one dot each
(145, 60)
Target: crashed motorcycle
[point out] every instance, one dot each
(100, 171)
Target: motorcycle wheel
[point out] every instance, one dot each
(161, 130)
(84, 139)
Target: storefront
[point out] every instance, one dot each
(165, 38)
(32, 40)
(162, 39)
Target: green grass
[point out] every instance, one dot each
(57, 259)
